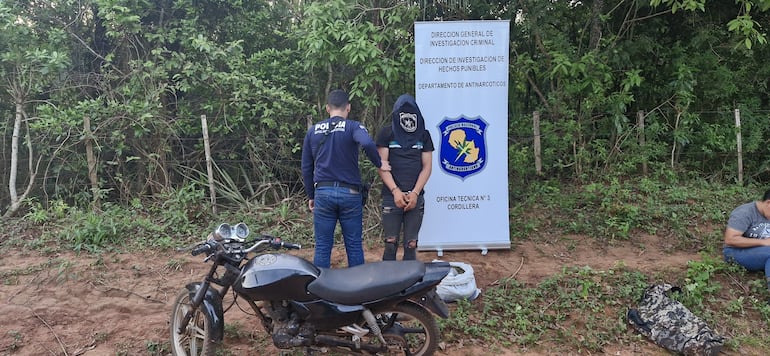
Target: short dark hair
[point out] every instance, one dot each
(766, 197)
(338, 98)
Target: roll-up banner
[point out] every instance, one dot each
(461, 81)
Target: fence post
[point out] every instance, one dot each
(740, 149)
(91, 159)
(209, 168)
(536, 133)
(642, 143)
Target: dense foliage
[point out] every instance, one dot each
(102, 99)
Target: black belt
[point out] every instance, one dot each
(337, 184)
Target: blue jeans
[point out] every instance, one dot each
(334, 204)
(751, 258)
(393, 219)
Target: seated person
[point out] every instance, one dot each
(747, 236)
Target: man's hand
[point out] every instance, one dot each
(385, 167)
(400, 199)
(411, 200)
(311, 204)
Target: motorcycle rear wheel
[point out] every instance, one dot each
(197, 338)
(409, 329)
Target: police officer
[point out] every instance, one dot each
(333, 181)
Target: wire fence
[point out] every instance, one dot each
(182, 160)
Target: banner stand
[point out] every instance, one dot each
(461, 86)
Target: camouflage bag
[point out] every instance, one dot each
(670, 324)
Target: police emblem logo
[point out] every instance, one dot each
(463, 150)
(408, 121)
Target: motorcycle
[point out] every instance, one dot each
(383, 307)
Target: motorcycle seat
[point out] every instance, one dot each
(366, 282)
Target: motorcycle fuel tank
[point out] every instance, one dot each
(276, 277)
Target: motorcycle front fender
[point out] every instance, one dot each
(434, 303)
(212, 307)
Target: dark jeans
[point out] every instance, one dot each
(334, 204)
(751, 258)
(393, 220)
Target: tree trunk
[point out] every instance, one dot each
(15, 156)
(14, 172)
(596, 25)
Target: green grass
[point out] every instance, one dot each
(591, 304)
(581, 310)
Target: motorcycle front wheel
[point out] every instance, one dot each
(409, 329)
(195, 339)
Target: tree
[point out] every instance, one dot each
(31, 62)
(364, 47)
(744, 25)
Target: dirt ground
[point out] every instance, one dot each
(119, 304)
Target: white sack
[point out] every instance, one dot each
(458, 284)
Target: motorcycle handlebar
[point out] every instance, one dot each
(290, 246)
(202, 248)
(274, 242)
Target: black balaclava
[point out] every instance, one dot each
(407, 121)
